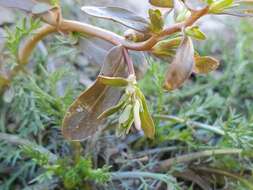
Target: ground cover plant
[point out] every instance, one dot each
(197, 136)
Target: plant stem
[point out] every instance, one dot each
(228, 174)
(164, 165)
(213, 129)
(129, 61)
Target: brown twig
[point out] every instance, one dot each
(166, 164)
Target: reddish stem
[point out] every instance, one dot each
(129, 61)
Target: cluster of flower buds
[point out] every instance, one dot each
(132, 107)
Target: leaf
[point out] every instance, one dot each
(219, 6)
(120, 15)
(162, 3)
(81, 120)
(9, 95)
(147, 123)
(195, 32)
(25, 5)
(100, 49)
(113, 81)
(41, 8)
(33, 6)
(205, 64)
(125, 115)
(166, 49)
(113, 109)
(181, 66)
(156, 19)
(195, 5)
(241, 8)
(180, 11)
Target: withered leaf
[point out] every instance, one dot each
(81, 120)
(100, 49)
(120, 15)
(162, 3)
(181, 67)
(205, 64)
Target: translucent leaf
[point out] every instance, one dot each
(182, 65)
(156, 19)
(162, 3)
(113, 81)
(147, 123)
(205, 64)
(100, 49)
(81, 120)
(120, 15)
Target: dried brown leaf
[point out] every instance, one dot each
(181, 66)
(81, 120)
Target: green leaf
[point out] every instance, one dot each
(113, 109)
(182, 65)
(125, 115)
(205, 64)
(147, 123)
(113, 81)
(242, 8)
(166, 49)
(81, 119)
(120, 15)
(41, 8)
(195, 32)
(156, 19)
(219, 6)
(162, 3)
